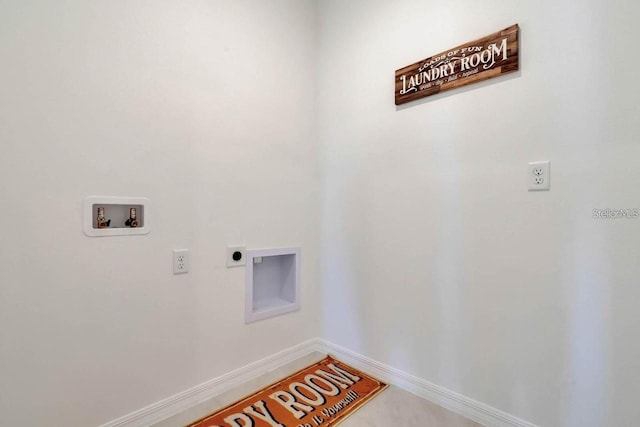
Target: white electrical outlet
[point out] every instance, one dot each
(180, 261)
(539, 176)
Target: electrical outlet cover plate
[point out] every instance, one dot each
(539, 176)
(180, 261)
(236, 263)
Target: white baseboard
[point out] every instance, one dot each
(182, 401)
(448, 399)
(476, 411)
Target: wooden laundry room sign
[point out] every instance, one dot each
(491, 56)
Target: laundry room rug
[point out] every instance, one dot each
(320, 395)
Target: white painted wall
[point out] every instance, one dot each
(436, 260)
(205, 107)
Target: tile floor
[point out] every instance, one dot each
(391, 408)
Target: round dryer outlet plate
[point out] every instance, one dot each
(236, 256)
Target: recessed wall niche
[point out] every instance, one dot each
(273, 283)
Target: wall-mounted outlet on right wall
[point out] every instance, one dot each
(539, 176)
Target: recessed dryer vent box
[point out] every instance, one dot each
(273, 283)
